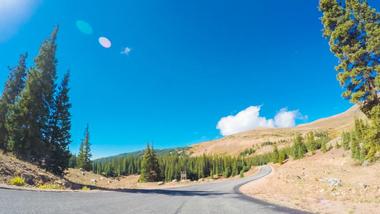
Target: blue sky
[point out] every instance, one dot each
(191, 63)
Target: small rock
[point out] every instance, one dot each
(365, 163)
(29, 179)
(93, 180)
(333, 182)
(174, 181)
(363, 186)
(160, 183)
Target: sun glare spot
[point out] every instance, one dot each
(84, 27)
(104, 42)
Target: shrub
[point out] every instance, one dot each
(346, 140)
(17, 181)
(275, 155)
(85, 188)
(282, 156)
(248, 152)
(242, 173)
(268, 143)
(299, 148)
(311, 143)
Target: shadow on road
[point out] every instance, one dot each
(169, 192)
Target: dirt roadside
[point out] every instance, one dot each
(323, 183)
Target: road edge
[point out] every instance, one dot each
(272, 206)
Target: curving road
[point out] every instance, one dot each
(218, 197)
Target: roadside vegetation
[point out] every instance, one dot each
(17, 181)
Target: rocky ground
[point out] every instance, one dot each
(323, 183)
(34, 176)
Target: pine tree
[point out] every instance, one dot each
(60, 125)
(150, 170)
(299, 148)
(311, 143)
(275, 155)
(282, 156)
(353, 30)
(73, 161)
(28, 122)
(346, 140)
(84, 156)
(12, 89)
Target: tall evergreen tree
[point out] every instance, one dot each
(150, 170)
(353, 30)
(29, 127)
(12, 89)
(73, 161)
(84, 156)
(60, 125)
(299, 148)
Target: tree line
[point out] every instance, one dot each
(169, 166)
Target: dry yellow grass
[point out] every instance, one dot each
(235, 144)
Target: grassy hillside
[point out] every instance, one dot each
(263, 138)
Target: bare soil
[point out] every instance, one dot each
(308, 184)
(34, 176)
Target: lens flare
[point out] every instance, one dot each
(84, 27)
(104, 42)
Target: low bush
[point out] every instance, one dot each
(85, 188)
(17, 181)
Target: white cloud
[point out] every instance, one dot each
(126, 51)
(250, 118)
(285, 118)
(13, 14)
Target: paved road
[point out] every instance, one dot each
(219, 198)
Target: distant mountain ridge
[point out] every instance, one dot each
(141, 152)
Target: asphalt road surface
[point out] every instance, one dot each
(218, 197)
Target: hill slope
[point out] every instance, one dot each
(329, 182)
(235, 144)
(33, 175)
